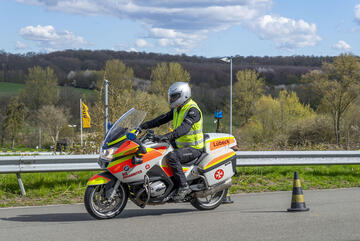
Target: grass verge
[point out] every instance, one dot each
(66, 187)
(43, 188)
(263, 179)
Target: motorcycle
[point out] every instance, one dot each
(135, 169)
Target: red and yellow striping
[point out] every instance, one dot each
(118, 165)
(219, 159)
(169, 172)
(129, 147)
(97, 180)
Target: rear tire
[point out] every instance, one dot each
(211, 202)
(101, 208)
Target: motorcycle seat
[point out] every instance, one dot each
(196, 161)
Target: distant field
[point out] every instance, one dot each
(9, 89)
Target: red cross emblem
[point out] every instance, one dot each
(219, 174)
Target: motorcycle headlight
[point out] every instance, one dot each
(107, 154)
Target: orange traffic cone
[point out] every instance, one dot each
(297, 201)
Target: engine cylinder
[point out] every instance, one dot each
(157, 188)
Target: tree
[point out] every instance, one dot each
(52, 119)
(119, 75)
(273, 118)
(41, 88)
(122, 97)
(164, 74)
(339, 84)
(14, 119)
(247, 90)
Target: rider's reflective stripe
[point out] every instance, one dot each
(194, 132)
(194, 143)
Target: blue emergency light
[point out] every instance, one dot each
(218, 114)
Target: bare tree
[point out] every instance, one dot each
(339, 85)
(52, 119)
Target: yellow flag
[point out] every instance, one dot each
(85, 116)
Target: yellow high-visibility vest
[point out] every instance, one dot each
(195, 137)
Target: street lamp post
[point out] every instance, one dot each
(229, 60)
(106, 105)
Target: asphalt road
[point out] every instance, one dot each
(333, 215)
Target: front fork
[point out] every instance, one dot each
(106, 178)
(111, 191)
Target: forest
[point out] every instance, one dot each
(282, 102)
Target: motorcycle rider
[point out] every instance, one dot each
(187, 136)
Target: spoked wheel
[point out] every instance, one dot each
(99, 206)
(209, 202)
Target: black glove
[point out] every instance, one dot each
(145, 125)
(167, 137)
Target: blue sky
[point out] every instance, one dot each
(194, 27)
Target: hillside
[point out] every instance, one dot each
(204, 71)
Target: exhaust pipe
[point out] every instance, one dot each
(215, 189)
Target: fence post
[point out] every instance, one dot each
(21, 184)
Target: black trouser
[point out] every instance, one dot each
(176, 158)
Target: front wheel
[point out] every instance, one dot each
(209, 202)
(99, 206)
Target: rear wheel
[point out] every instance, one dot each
(99, 206)
(209, 202)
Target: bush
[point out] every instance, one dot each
(315, 129)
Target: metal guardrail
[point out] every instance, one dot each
(27, 153)
(297, 158)
(57, 163)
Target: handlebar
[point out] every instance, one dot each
(151, 136)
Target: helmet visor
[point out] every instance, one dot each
(174, 97)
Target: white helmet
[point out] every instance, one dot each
(178, 94)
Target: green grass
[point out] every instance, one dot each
(43, 188)
(10, 89)
(262, 179)
(85, 92)
(69, 187)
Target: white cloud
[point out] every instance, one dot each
(141, 43)
(183, 24)
(342, 46)
(180, 40)
(357, 12)
(19, 45)
(132, 50)
(50, 39)
(285, 32)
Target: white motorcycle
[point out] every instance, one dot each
(135, 168)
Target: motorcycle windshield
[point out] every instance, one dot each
(130, 120)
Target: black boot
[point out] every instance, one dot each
(182, 192)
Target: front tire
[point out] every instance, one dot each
(101, 208)
(210, 202)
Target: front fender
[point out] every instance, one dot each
(100, 179)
